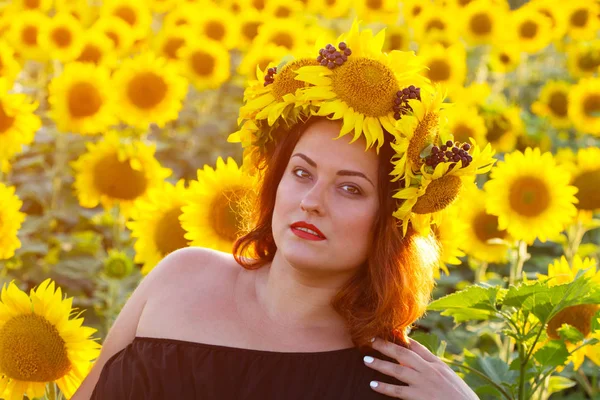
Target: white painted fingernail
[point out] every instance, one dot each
(369, 359)
(372, 340)
(374, 384)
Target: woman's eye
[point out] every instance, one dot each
(353, 189)
(295, 172)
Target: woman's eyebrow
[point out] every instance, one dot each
(343, 172)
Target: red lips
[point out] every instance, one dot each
(302, 224)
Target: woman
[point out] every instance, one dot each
(327, 267)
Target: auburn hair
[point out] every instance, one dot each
(392, 289)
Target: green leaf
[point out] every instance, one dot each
(431, 341)
(473, 303)
(552, 354)
(558, 383)
(570, 333)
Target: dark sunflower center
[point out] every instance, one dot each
(215, 30)
(264, 62)
(114, 37)
(330, 2)
(578, 316)
(528, 29)
(258, 4)
(374, 4)
(90, 54)
(580, 17)
(32, 3)
(169, 233)
(439, 194)
(396, 41)
(589, 62)
(172, 45)
(62, 37)
(31, 349)
(6, 121)
(497, 127)
(284, 81)
(225, 214)
(118, 180)
(588, 195)
(426, 133)
(529, 196)
(485, 227)
(29, 35)
(84, 100)
(504, 58)
(366, 85)
(591, 106)
(416, 10)
(435, 24)
(203, 63)
(284, 39)
(283, 12)
(548, 14)
(481, 24)
(127, 14)
(250, 29)
(464, 3)
(146, 90)
(558, 103)
(462, 133)
(439, 70)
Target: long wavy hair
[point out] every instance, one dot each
(391, 290)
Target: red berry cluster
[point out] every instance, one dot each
(270, 77)
(331, 57)
(449, 152)
(401, 106)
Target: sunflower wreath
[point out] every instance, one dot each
(370, 92)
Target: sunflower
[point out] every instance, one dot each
(134, 13)
(580, 317)
(97, 49)
(475, 95)
(553, 103)
(411, 9)
(10, 222)
(397, 37)
(505, 58)
(585, 176)
(277, 98)
(464, 122)
(582, 19)
(118, 264)
(556, 12)
(435, 19)
(169, 41)
(483, 239)
(183, 15)
(156, 224)
(385, 11)
(213, 216)
(32, 5)
(118, 31)
(116, 172)
(583, 58)
(206, 64)
(162, 6)
(482, 22)
(42, 341)
(533, 30)
(329, 8)
(530, 195)
(283, 9)
(379, 78)
(62, 37)
(9, 67)
(24, 35)
(504, 126)
(249, 23)
(439, 185)
(447, 66)
(261, 57)
(450, 234)
(148, 90)
(218, 24)
(80, 99)
(18, 123)
(79, 9)
(584, 105)
(288, 35)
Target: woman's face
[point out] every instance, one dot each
(332, 185)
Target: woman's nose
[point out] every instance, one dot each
(312, 202)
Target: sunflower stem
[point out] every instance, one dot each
(585, 383)
(58, 168)
(117, 228)
(51, 391)
(481, 271)
(574, 237)
(516, 267)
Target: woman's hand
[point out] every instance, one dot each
(428, 377)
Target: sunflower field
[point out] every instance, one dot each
(118, 131)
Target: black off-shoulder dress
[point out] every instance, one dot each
(160, 368)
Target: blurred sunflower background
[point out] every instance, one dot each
(114, 118)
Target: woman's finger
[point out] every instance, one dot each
(398, 392)
(422, 351)
(400, 372)
(402, 355)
